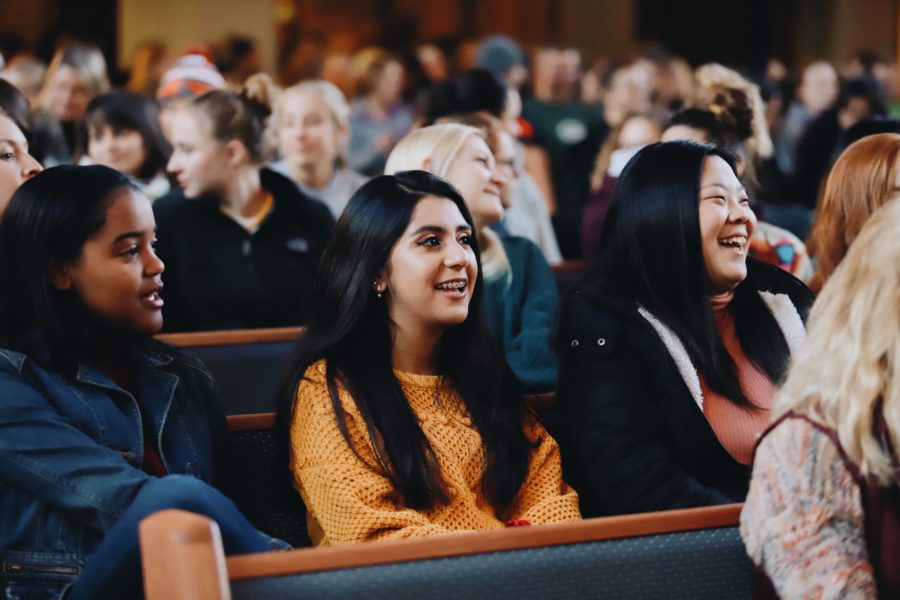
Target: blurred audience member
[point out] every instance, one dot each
(503, 57)
(570, 133)
(527, 213)
(866, 176)
(75, 76)
(626, 90)
(27, 74)
(859, 99)
(378, 115)
(148, 64)
(816, 93)
(433, 63)
(238, 59)
(311, 124)
(191, 75)
(123, 133)
(624, 141)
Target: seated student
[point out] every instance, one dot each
(865, 177)
(241, 242)
(100, 425)
(124, 134)
(671, 347)
(311, 122)
(405, 420)
(18, 165)
(769, 243)
(520, 292)
(822, 518)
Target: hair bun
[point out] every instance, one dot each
(260, 92)
(735, 107)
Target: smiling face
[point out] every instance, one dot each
(474, 174)
(199, 162)
(118, 276)
(431, 271)
(308, 135)
(16, 164)
(726, 225)
(120, 149)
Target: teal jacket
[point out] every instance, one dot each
(521, 309)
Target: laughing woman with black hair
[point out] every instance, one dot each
(403, 420)
(670, 349)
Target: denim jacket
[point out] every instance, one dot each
(71, 450)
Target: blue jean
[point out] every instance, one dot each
(114, 570)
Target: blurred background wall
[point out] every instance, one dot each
(743, 33)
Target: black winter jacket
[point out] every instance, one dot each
(634, 436)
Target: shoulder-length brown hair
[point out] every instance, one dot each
(862, 179)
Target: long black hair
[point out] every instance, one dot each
(125, 110)
(350, 329)
(46, 224)
(652, 247)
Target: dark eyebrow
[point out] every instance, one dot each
(128, 234)
(739, 188)
(438, 229)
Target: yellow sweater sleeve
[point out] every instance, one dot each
(544, 497)
(347, 496)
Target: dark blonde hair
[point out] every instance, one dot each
(242, 115)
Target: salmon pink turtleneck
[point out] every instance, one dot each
(737, 427)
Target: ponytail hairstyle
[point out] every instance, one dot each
(350, 328)
(242, 115)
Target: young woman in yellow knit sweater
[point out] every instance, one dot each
(405, 420)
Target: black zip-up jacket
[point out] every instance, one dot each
(634, 436)
(220, 276)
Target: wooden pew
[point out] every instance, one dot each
(691, 553)
(248, 366)
(259, 491)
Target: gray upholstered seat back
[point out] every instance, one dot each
(707, 563)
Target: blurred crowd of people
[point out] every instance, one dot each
(377, 195)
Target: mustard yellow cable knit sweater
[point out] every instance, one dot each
(349, 499)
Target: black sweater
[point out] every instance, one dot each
(220, 276)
